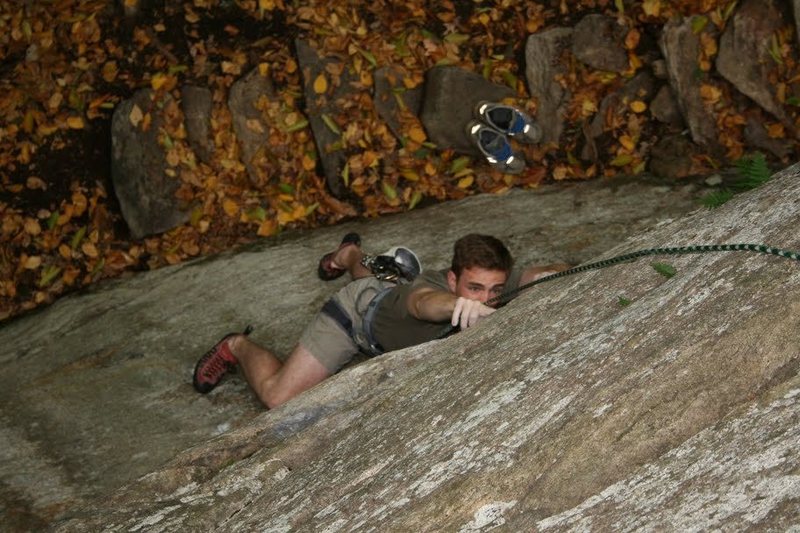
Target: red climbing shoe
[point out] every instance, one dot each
(326, 271)
(216, 362)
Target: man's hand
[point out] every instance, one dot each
(468, 312)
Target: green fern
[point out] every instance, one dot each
(716, 198)
(753, 172)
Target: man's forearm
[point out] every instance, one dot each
(434, 306)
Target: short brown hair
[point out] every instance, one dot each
(482, 251)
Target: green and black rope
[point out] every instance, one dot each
(674, 250)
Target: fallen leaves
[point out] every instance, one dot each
(68, 72)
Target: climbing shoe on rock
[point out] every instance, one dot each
(509, 120)
(495, 147)
(216, 362)
(326, 271)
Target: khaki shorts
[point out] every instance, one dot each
(325, 338)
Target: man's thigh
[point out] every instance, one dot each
(300, 372)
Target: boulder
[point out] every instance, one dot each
(745, 60)
(196, 103)
(542, 67)
(679, 43)
(758, 137)
(599, 42)
(796, 5)
(618, 398)
(325, 110)
(449, 97)
(641, 87)
(146, 192)
(250, 123)
(671, 157)
(391, 97)
(665, 109)
(99, 393)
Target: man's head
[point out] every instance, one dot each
(480, 267)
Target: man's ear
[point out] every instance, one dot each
(452, 280)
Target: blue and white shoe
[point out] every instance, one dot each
(494, 145)
(509, 120)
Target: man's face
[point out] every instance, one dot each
(477, 283)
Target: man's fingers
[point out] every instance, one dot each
(467, 313)
(454, 320)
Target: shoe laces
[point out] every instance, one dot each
(214, 363)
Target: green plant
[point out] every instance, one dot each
(752, 171)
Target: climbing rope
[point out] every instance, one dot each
(676, 250)
(505, 297)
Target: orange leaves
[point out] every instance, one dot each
(321, 84)
(230, 207)
(417, 134)
(710, 94)
(637, 106)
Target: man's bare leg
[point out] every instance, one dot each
(274, 382)
(349, 258)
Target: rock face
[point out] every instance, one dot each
(145, 192)
(614, 399)
(99, 393)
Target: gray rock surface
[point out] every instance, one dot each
(542, 66)
(145, 192)
(450, 95)
(744, 57)
(564, 410)
(599, 42)
(678, 42)
(250, 123)
(98, 385)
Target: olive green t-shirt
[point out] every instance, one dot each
(394, 327)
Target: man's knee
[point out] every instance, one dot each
(298, 374)
(271, 394)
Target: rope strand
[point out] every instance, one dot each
(674, 250)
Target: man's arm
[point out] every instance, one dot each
(434, 305)
(533, 273)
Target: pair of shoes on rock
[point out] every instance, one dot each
(325, 270)
(215, 363)
(495, 124)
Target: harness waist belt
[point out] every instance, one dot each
(363, 336)
(374, 346)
